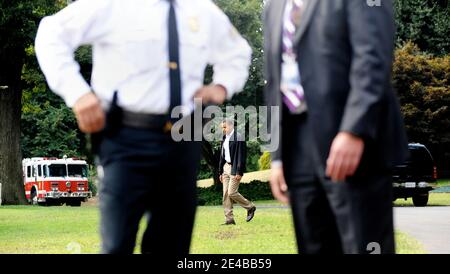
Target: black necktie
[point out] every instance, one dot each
(174, 65)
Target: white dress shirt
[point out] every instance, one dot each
(226, 147)
(130, 51)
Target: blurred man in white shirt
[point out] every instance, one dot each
(149, 57)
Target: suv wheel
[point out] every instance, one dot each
(420, 199)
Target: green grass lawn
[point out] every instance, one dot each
(443, 182)
(34, 229)
(270, 232)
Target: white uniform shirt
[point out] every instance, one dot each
(130, 51)
(226, 147)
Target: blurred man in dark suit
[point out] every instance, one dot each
(328, 67)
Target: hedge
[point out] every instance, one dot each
(264, 161)
(254, 191)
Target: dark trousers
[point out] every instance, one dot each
(351, 217)
(146, 172)
(354, 217)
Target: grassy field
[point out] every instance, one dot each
(443, 182)
(34, 229)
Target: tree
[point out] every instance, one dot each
(421, 81)
(18, 22)
(40, 104)
(49, 127)
(212, 157)
(246, 17)
(425, 23)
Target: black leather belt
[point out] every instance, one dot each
(146, 121)
(228, 163)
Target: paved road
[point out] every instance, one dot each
(429, 225)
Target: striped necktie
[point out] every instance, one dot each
(291, 88)
(291, 22)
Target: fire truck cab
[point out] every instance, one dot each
(53, 181)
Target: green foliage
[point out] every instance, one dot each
(246, 17)
(253, 154)
(92, 181)
(425, 22)
(423, 88)
(264, 161)
(210, 196)
(205, 171)
(84, 57)
(422, 83)
(49, 127)
(254, 191)
(51, 132)
(92, 187)
(19, 19)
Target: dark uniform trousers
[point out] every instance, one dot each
(348, 217)
(145, 171)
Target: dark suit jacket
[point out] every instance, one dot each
(238, 153)
(345, 52)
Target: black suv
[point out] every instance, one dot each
(416, 177)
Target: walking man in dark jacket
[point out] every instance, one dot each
(231, 167)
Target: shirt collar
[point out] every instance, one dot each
(231, 133)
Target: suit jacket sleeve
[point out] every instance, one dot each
(270, 89)
(266, 65)
(371, 34)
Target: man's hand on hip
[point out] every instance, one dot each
(238, 177)
(345, 156)
(89, 113)
(278, 184)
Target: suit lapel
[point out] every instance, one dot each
(278, 12)
(233, 137)
(305, 19)
(276, 25)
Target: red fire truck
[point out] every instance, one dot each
(53, 181)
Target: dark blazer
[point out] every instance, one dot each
(345, 52)
(238, 154)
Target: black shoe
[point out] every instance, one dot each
(232, 222)
(251, 213)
